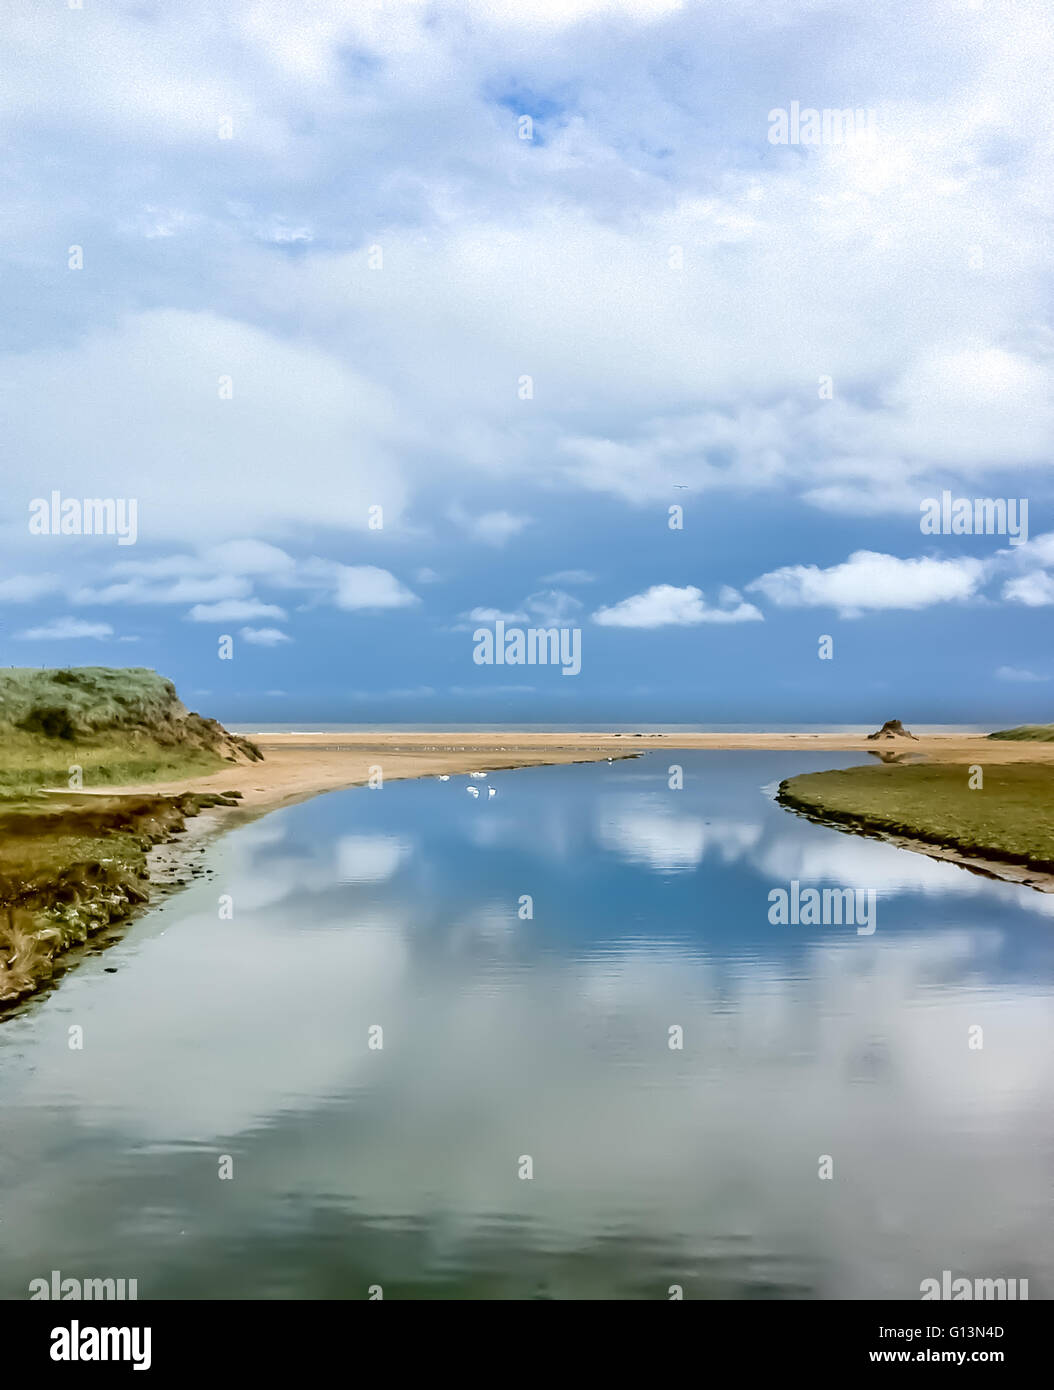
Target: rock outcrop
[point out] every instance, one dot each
(892, 729)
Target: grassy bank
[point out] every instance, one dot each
(1009, 820)
(71, 869)
(1027, 733)
(71, 865)
(93, 726)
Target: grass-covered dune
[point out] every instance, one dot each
(72, 864)
(1027, 733)
(115, 725)
(1008, 820)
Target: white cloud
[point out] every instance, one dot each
(1035, 590)
(233, 610)
(492, 528)
(569, 577)
(664, 605)
(553, 608)
(871, 581)
(353, 388)
(24, 588)
(548, 608)
(1019, 674)
(187, 590)
(494, 615)
(368, 587)
(264, 636)
(251, 557)
(146, 393)
(67, 629)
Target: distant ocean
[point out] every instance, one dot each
(597, 728)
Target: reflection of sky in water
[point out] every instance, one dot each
(545, 1037)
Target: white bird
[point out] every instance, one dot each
(472, 791)
(444, 777)
(477, 774)
(491, 791)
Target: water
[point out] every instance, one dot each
(548, 1038)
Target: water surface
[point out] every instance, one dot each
(507, 1037)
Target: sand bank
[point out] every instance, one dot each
(297, 766)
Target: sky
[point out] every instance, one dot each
(391, 320)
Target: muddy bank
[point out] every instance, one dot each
(73, 874)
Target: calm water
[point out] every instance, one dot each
(545, 1038)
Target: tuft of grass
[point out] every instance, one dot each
(1009, 819)
(1027, 733)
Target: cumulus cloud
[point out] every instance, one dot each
(664, 605)
(264, 636)
(368, 587)
(492, 528)
(67, 629)
(1035, 590)
(869, 581)
(675, 286)
(233, 610)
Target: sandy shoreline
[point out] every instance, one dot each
(297, 766)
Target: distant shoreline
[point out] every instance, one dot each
(300, 765)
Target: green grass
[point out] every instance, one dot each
(1027, 733)
(28, 763)
(70, 865)
(117, 725)
(87, 698)
(1010, 819)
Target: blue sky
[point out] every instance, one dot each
(318, 259)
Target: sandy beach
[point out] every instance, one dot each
(300, 765)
